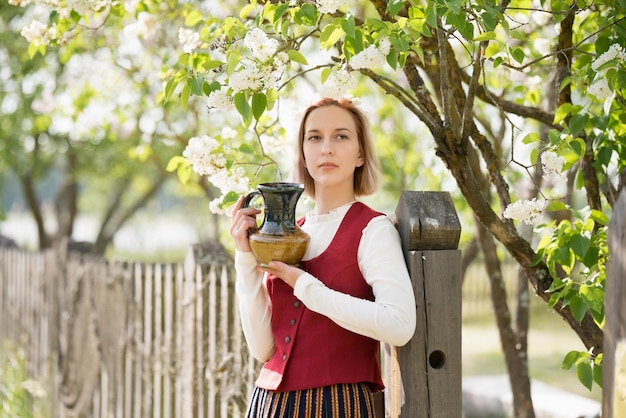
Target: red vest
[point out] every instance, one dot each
(310, 349)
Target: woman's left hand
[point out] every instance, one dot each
(289, 274)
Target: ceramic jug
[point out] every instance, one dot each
(278, 237)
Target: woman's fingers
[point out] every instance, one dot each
(241, 221)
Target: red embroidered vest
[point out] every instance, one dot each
(310, 349)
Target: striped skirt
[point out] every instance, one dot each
(350, 400)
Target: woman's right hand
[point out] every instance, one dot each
(241, 221)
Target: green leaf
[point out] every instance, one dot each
(556, 205)
(562, 112)
(394, 6)
(578, 308)
(580, 245)
(330, 35)
(245, 12)
(170, 86)
(259, 104)
(229, 199)
(233, 60)
(578, 146)
(577, 123)
(195, 84)
(485, 36)
(246, 148)
(175, 162)
(600, 217)
(534, 156)
(307, 15)
(297, 57)
(211, 64)
(570, 360)
(585, 375)
(348, 25)
(518, 54)
(490, 20)
(242, 106)
(531, 137)
(184, 96)
(184, 173)
(431, 14)
(279, 12)
(597, 374)
(193, 18)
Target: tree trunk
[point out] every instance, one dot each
(515, 355)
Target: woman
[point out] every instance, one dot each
(317, 328)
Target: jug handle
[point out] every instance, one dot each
(249, 197)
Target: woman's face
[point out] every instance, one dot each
(331, 148)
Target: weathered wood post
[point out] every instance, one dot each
(424, 377)
(614, 358)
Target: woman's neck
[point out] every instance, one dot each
(325, 204)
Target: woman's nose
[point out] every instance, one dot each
(327, 147)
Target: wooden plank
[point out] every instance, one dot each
(168, 341)
(138, 400)
(615, 307)
(212, 337)
(199, 355)
(158, 342)
(442, 272)
(188, 326)
(148, 349)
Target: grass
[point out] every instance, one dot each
(20, 396)
(549, 340)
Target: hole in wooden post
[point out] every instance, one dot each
(437, 359)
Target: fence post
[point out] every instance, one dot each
(614, 359)
(424, 377)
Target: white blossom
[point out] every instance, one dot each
(35, 388)
(234, 180)
(527, 211)
(371, 57)
(552, 163)
(189, 39)
(39, 33)
(337, 85)
(218, 99)
(328, 6)
(615, 51)
(228, 133)
(262, 46)
(199, 152)
(600, 89)
(215, 206)
(145, 27)
(246, 78)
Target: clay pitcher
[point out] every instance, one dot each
(278, 237)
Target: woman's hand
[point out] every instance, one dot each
(289, 274)
(241, 221)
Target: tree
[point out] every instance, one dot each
(523, 101)
(87, 116)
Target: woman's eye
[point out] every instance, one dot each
(313, 138)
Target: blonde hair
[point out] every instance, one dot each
(366, 177)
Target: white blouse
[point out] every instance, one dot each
(390, 318)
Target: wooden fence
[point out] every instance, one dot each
(135, 340)
(127, 340)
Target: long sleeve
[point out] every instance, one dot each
(391, 317)
(254, 306)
